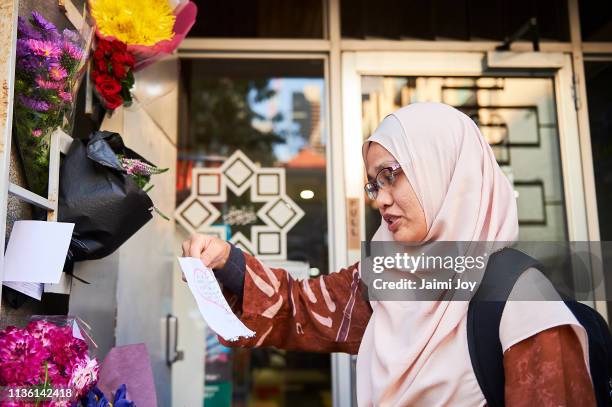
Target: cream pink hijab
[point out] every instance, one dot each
(414, 353)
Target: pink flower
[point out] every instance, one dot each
(73, 51)
(22, 357)
(46, 49)
(44, 84)
(65, 96)
(41, 330)
(84, 375)
(133, 166)
(37, 132)
(57, 72)
(65, 350)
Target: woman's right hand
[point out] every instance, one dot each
(213, 251)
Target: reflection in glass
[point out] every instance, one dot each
(273, 112)
(516, 116)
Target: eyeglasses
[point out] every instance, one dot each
(386, 176)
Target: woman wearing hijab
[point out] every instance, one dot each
(434, 178)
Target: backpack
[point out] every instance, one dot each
(484, 316)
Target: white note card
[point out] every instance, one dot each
(213, 306)
(37, 251)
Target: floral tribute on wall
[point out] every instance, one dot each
(49, 364)
(49, 65)
(133, 34)
(44, 364)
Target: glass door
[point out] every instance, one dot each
(527, 115)
(252, 169)
(516, 115)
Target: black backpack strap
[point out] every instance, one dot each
(484, 316)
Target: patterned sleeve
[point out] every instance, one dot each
(324, 314)
(548, 369)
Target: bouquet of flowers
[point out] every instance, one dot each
(113, 73)
(44, 364)
(151, 29)
(133, 34)
(49, 65)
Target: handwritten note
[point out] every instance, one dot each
(213, 306)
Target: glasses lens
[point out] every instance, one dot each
(371, 190)
(385, 177)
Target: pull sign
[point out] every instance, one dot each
(354, 223)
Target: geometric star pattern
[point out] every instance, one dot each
(238, 173)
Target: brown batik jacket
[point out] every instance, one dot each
(330, 313)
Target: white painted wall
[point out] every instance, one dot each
(131, 290)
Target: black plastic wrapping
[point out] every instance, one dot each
(104, 203)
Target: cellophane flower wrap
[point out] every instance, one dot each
(49, 66)
(46, 355)
(151, 29)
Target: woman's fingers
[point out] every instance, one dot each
(211, 250)
(197, 245)
(208, 258)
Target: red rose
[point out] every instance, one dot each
(128, 59)
(119, 70)
(107, 85)
(119, 46)
(113, 101)
(104, 46)
(125, 58)
(102, 65)
(117, 58)
(98, 54)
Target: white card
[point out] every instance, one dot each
(34, 290)
(37, 251)
(213, 306)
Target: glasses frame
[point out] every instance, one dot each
(371, 189)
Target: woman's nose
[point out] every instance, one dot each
(384, 198)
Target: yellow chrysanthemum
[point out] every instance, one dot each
(134, 22)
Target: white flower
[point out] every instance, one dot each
(84, 374)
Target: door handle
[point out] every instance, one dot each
(172, 353)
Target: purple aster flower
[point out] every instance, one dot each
(34, 104)
(46, 27)
(71, 35)
(23, 49)
(25, 31)
(73, 51)
(57, 72)
(29, 64)
(45, 49)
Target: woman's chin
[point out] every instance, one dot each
(405, 236)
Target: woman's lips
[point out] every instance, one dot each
(393, 223)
